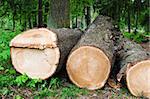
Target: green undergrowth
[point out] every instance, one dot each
(138, 37)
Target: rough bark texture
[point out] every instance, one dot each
(67, 38)
(134, 63)
(130, 52)
(40, 21)
(59, 14)
(99, 35)
(40, 53)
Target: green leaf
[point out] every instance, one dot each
(1, 68)
(21, 80)
(33, 82)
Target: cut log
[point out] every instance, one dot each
(90, 61)
(67, 38)
(135, 68)
(39, 52)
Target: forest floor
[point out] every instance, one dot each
(16, 86)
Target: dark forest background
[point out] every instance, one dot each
(131, 15)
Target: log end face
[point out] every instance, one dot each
(138, 79)
(88, 67)
(35, 38)
(37, 64)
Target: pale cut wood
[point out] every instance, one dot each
(138, 79)
(35, 53)
(34, 62)
(89, 67)
(40, 53)
(35, 38)
(90, 61)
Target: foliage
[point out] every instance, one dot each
(72, 91)
(77, 7)
(138, 37)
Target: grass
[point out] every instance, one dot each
(17, 86)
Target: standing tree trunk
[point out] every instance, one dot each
(90, 61)
(129, 24)
(40, 22)
(30, 23)
(25, 22)
(137, 10)
(59, 14)
(88, 15)
(136, 23)
(46, 12)
(76, 22)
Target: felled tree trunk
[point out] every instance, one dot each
(40, 52)
(135, 68)
(67, 38)
(90, 61)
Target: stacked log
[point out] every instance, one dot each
(91, 59)
(39, 53)
(135, 68)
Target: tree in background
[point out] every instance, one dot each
(40, 21)
(24, 14)
(59, 13)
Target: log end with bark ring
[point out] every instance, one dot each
(138, 79)
(35, 38)
(35, 53)
(88, 67)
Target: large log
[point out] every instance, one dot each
(39, 53)
(135, 67)
(90, 61)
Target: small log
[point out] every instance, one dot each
(135, 68)
(90, 61)
(39, 53)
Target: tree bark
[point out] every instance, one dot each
(40, 53)
(129, 24)
(90, 61)
(24, 22)
(30, 23)
(46, 12)
(59, 14)
(35, 21)
(88, 15)
(40, 21)
(134, 64)
(67, 38)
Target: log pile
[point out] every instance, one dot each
(135, 68)
(88, 58)
(90, 61)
